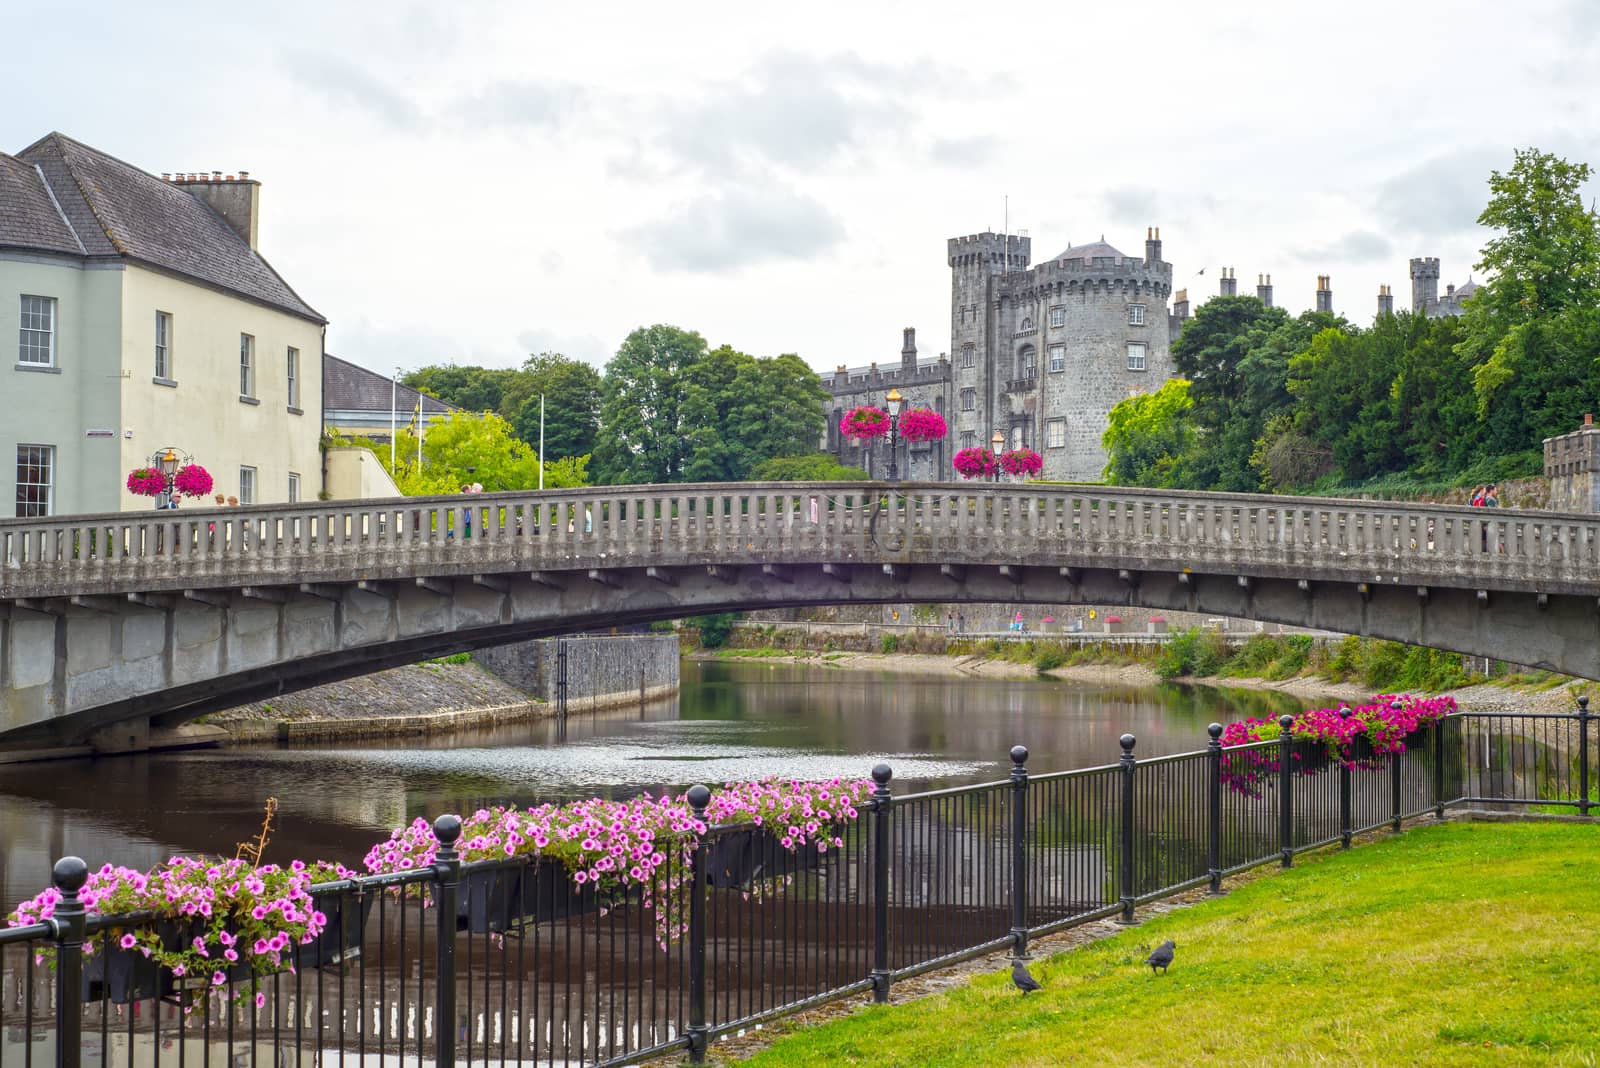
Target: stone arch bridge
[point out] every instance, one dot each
(114, 626)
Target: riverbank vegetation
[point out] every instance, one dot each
(1455, 944)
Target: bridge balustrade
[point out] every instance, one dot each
(635, 526)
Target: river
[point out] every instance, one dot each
(729, 721)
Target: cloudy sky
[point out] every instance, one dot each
(473, 181)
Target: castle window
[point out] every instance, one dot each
(969, 439)
(1058, 317)
(1027, 361)
(968, 355)
(1027, 323)
(1055, 433)
(1136, 355)
(1136, 315)
(1019, 437)
(969, 399)
(1058, 357)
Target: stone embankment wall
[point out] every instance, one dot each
(602, 671)
(505, 684)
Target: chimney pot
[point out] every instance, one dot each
(1588, 419)
(244, 176)
(217, 175)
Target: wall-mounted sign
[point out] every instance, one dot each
(98, 432)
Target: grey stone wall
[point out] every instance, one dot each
(602, 670)
(1572, 464)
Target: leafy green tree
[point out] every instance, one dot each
(1147, 434)
(571, 390)
(467, 449)
(472, 389)
(812, 467)
(740, 410)
(642, 435)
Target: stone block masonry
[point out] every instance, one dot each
(603, 671)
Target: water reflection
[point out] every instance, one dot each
(730, 720)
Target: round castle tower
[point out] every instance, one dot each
(1042, 353)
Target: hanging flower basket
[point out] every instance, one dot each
(146, 482)
(922, 424)
(974, 463)
(865, 422)
(1024, 462)
(192, 480)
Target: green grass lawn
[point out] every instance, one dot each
(1456, 944)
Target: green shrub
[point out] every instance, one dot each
(1049, 656)
(715, 628)
(890, 643)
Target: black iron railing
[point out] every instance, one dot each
(507, 962)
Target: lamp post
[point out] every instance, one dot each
(894, 401)
(997, 441)
(167, 462)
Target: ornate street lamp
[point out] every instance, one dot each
(167, 463)
(997, 441)
(894, 401)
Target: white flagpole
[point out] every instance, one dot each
(541, 441)
(394, 420)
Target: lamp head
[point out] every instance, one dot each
(169, 463)
(894, 400)
(998, 440)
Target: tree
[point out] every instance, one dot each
(1146, 434)
(641, 431)
(1545, 266)
(472, 389)
(811, 467)
(571, 390)
(467, 449)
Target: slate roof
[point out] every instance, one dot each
(116, 210)
(1089, 251)
(31, 218)
(348, 387)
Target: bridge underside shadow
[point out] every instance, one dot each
(102, 672)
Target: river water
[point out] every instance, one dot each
(728, 721)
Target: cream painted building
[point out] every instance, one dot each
(139, 317)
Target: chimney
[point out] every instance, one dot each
(1230, 284)
(1180, 304)
(1588, 419)
(908, 353)
(1152, 246)
(1385, 301)
(1325, 293)
(873, 377)
(238, 201)
(1264, 289)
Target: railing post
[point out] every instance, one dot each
(699, 797)
(1125, 850)
(1346, 814)
(447, 883)
(881, 801)
(1396, 760)
(69, 875)
(1438, 770)
(1285, 791)
(1583, 756)
(1214, 808)
(1019, 851)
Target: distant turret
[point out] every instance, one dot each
(1424, 284)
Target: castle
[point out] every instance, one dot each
(1039, 353)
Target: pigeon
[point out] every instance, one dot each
(1161, 957)
(1023, 981)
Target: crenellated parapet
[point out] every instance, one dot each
(1014, 251)
(1104, 274)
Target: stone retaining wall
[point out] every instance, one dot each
(602, 670)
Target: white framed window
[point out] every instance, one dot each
(968, 355)
(1019, 439)
(1058, 317)
(969, 439)
(247, 366)
(36, 482)
(969, 399)
(294, 377)
(247, 485)
(1027, 362)
(1136, 355)
(1058, 357)
(1136, 315)
(294, 487)
(164, 345)
(1055, 433)
(37, 343)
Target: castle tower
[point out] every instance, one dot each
(908, 355)
(1264, 289)
(979, 342)
(1424, 284)
(1385, 301)
(1325, 293)
(1230, 284)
